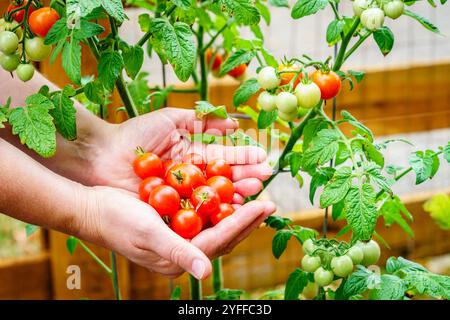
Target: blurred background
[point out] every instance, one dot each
(406, 94)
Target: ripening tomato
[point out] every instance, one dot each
(205, 200)
(42, 20)
(218, 167)
(147, 185)
(225, 210)
(310, 263)
(215, 65)
(36, 49)
(25, 72)
(18, 15)
(286, 75)
(223, 186)
(195, 159)
(267, 78)
(165, 200)
(308, 95)
(267, 101)
(323, 277)
(238, 72)
(167, 164)
(186, 223)
(286, 102)
(394, 9)
(329, 83)
(372, 18)
(147, 164)
(342, 266)
(185, 177)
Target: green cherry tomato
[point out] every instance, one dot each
(308, 95)
(36, 50)
(342, 266)
(356, 254)
(286, 102)
(359, 6)
(10, 26)
(372, 18)
(308, 246)
(25, 72)
(394, 9)
(310, 264)
(9, 62)
(9, 42)
(267, 78)
(371, 252)
(287, 116)
(323, 277)
(267, 101)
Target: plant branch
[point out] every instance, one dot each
(345, 41)
(195, 288)
(356, 45)
(213, 39)
(95, 257)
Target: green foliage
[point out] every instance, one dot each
(303, 8)
(245, 91)
(384, 38)
(204, 108)
(237, 58)
(71, 244)
(226, 294)
(425, 164)
(439, 208)
(109, 68)
(64, 115)
(295, 284)
(265, 119)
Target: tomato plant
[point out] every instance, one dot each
(17, 10)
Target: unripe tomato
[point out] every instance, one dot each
(42, 20)
(9, 62)
(394, 9)
(323, 277)
(18, 15)
(165, 200)
(310, 264)
(288, 76)
(359, 6)
(308, 247)
(215, 65)
(238, 72)
(267, 101)
(308, 95)
(205, 200)
(329, 83)
(372, 18)
(356, 254)
(185, 177)
(286, 102)
(288, 116)
(225, 210)
(10, 26)
(342, 266)
(267, 78)
(371, 252)
(223, 186)
(9, 42)
(36, 50)
(186, 223)
(147, 185)
(25, 72)
(195, 159)
(147, 165)
(218, 167)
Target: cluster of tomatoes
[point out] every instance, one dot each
(22, 39)
(191, 195)
(289, 91)
(215, 62)
(333, 260)
(372, 13)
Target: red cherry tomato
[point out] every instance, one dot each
(223, 186)
(195, 159)
(238, 72)
(165, 200)
(217, 59)
(42, 20)
(286, 76)
(225, 210)
(328, 82)
(185, 177)
(147, 165)
(186, 223)
(18, 15)
(218, 167)
(147, 185)
(205, 200)
(167, 165)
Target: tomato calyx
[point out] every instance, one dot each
(178, 176)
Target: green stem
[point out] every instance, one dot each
(356, 45)
(213, 39)
(126, 97)
(114, 275)
(217, 278)
(144, 38)
(345, 41)
(187, 90)
(95, 257)
(195, 288)
(203, 67)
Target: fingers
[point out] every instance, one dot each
(238, 199)
(248, 187)
(261, 171)
(239, 155)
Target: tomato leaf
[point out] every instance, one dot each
(424, 22)
(183, 4)
(358, 75)
(279, 3)
(337, 187)
(360, 128)
(81, 8)
(245, 91)
(204, 108)
(394, 265)
(279, 242)
(295, 284)
(391, 288)
(334, 30)
(361, 211)
(265, 119)
(277, 222)
(34, 125)
(311, 129)
(115, 9)
(320, 178)
(87, 29)
(446, 151)
(242, 10)
(303, 8)
(71, 60)
(176, 293)
(109, 68)
(324, 147)
(264, 11)
(133, 58)
(64, 115)
(269, 58)
(424, 165)
(392, 210)
(71, 244)
(237, 58)
(439, 208)
(302, 234)
(434, 285)
(373, 171)
(356, 283)
(58, 32)
(384, 38)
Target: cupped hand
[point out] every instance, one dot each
(118, 220)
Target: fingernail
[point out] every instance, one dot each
(198, 268)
